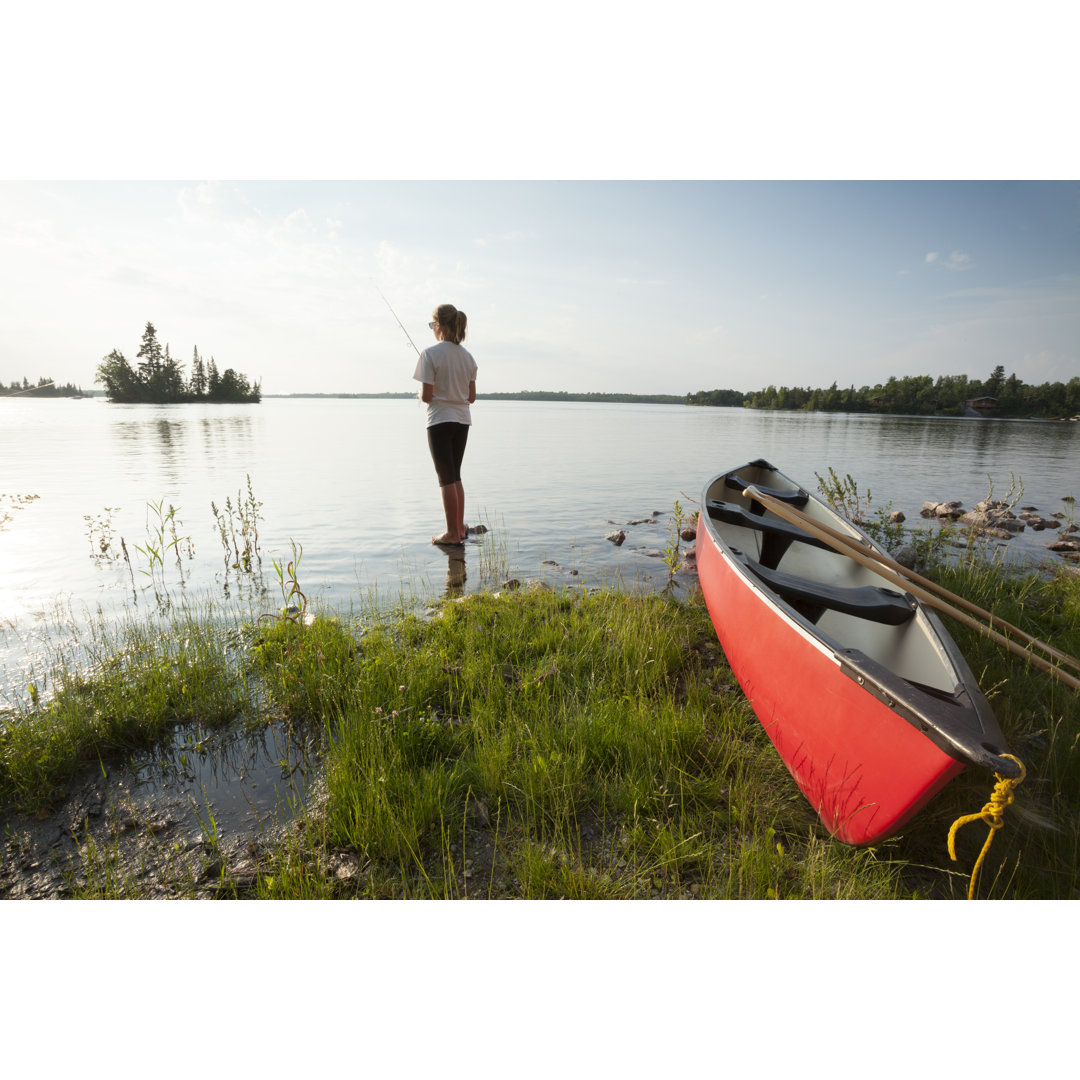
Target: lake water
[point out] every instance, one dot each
(352, 482)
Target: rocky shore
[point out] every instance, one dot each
(995, 519)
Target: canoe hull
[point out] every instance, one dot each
(832, 704)
(862, 768)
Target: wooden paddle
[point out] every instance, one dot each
(891, 571)
(926, 583)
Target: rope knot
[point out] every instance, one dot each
(993, 814)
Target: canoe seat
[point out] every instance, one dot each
(798, 499)
(776, 536)
(812, 599)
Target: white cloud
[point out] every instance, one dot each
(214, 201)
(297, 222)
(959, 260)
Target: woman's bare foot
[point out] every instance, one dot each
(446, 539)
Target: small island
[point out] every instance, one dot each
(159, 379)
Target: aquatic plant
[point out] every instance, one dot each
(1012, 496)
(672, 553)
(161, 538)
(492, 559)
(236, 524)
(294, 602)
(844, 497)
(99, 531)
(222, 522)
(8, 503)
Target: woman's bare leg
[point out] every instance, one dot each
(460, 522)
(453, 500)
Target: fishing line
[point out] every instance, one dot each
(394, 313)
(42, 387)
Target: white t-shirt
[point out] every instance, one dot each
(449, 368)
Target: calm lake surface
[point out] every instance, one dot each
(352, 482)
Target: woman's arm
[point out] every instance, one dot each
(427, 392)
(472, 391)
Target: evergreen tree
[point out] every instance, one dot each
(160, 378)
(170, 379)
(150, 357)
(198, 376)
(120, 381)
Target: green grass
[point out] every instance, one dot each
(544, 744)
(1037, 853)
(145, 683)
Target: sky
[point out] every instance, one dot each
(721, 198)
(584, 286)
(621, 200)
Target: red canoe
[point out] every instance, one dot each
(861, 689)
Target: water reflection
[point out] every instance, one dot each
(910, 459)
(224, 434)
(455, 571)
(163, 443)
(162, 438)
(241, 777)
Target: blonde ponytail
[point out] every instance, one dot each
(452, 321)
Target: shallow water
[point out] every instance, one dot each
(350, 480)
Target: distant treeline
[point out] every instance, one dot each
(718, 397)
(562, 395)
(159, 379)
(915, 395)
(387, 394)
(526, 395)
(42, 388)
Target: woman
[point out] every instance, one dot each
(448, 374)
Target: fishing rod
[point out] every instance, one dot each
(394, 313)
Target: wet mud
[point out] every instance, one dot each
(166, 823)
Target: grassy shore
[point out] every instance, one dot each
(543, 744)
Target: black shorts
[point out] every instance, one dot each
(447, 445)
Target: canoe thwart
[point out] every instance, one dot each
(812, 599)
(798, 498)
(777, 536)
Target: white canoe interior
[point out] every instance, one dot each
(912, 650)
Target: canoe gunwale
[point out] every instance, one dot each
(932, 713)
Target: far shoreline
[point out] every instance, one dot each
(558, 396)
(523, 395)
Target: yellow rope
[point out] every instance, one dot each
(992, 813)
